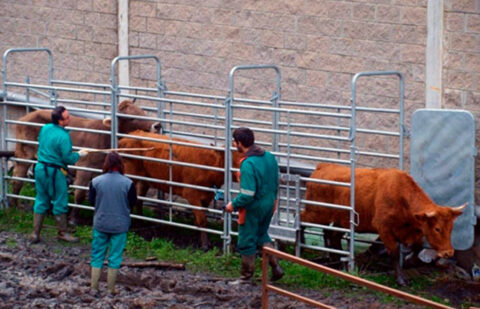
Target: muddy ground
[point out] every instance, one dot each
(53, 275)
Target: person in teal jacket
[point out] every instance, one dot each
(255, 202)
(54, 154)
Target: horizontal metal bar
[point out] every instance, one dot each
(56, 88)
(94, 85)
(172, 142)
(326, 249)
(325, 181)
(327, 227)
(169, 100)
(36, 124)
(298, 156)
(169, 182)
(23, 197)
(323, 204)
(292, 111)
(19, 179)
(180, 205)
(378, 132)
(133, 216)
(89, 103)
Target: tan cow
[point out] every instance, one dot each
(80, 139)
(389, 203)
(180, 174)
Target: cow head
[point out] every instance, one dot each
(437, 224)
(126, 125)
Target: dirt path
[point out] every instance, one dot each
(52, 275)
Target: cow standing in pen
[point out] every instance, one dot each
(389, 203)
(79, 139)
(180, 174)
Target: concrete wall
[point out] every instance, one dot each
(318, 45)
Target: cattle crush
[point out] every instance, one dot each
(299, 134)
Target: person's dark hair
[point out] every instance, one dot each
(57, 114)
(113, 162)
(245, 136)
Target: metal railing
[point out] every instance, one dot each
(293, 131)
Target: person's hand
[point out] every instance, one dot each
(229, 207)
(82, 152)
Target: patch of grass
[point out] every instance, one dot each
(11, 243)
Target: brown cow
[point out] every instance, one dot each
(389, 203)
(180, 174)
(80, 139)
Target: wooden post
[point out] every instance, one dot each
(264, 280)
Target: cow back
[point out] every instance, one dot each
(179, 153)
(367, 190)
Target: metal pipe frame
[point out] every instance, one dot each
(115, 91)
(274, 105)
(3, 129)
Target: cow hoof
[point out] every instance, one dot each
(402, 281)
(73, 222)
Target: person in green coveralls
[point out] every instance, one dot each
(255, 202)
(54, 154)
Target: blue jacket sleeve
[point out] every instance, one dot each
(132, 195)
(247, 187)
(92, 194)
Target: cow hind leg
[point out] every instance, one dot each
(19, 170)
(201, 221)
(142, 189)
(82, 178)
(333, 240)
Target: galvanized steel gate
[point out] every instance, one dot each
(299, 134)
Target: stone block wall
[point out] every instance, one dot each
(81, 34)
(318, 45)
(461, 74)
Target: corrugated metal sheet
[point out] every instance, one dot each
(442, 162)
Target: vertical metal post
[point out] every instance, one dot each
(275, 114)
(402, 129)
(27, 92)
(297, 222)
(228, 137)
(288, 171)
(116, 92)
(3, 127)
(161, 88)
(227, 217)
(352, 138)
(113, 110)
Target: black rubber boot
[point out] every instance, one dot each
(277, 271)
(62, 229)
(37, 227)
